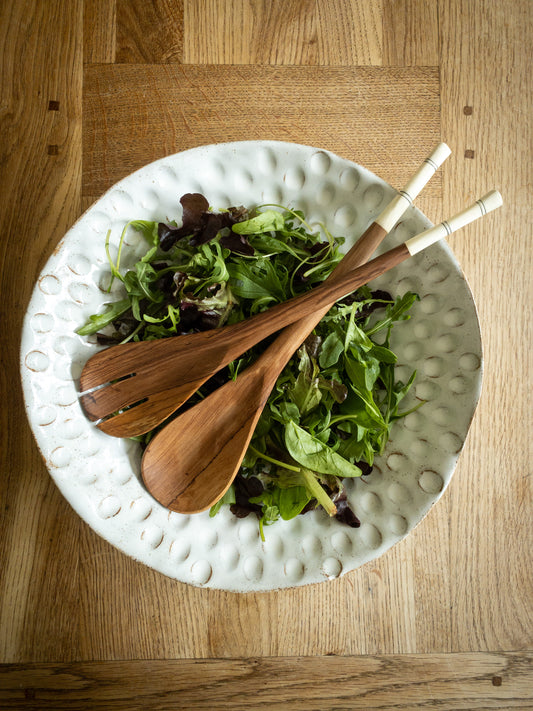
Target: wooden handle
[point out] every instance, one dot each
(328, 292)
(189, 472)
(111, 363)
(294, 335)
(367, 244)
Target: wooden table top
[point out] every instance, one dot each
(93, 90)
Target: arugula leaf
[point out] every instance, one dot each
(356, 337)
(148, 229)
(97, 322)
(257, 280)
(363, 375)
(383, 354)
(228, 498)
(305, 392)
(269, 245)
(209, 265)
(395, 312)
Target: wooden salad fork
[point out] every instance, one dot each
(131, 388)
(190, 464)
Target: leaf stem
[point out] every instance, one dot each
(291, 212)
(318, 492)
(277, 462)
(309, 480)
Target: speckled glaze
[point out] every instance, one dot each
(100, 475)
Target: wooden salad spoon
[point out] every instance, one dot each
(131, 388)
(190, 464)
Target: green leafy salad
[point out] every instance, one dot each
(334, 404)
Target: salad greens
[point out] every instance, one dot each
(333, 406)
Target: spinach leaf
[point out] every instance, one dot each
(287, 502)
(331, 350)
(313, 454)
(267, 221)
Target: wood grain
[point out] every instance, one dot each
(149, 32)
(497, 461)
(100, 37)
(370, 115)
(282, 32)
(40, 189)
(458, 70)
(463, 681)
(410, 33)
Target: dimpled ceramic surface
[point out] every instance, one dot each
(100, 475)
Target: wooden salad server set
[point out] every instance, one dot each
(154, 378)
(191, 462)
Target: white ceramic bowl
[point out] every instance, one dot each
(100, 475)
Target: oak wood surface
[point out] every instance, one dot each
(173, 107)
(472, 681)
(93, 90)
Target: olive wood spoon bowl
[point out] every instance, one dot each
(146, 382)
(190, 464)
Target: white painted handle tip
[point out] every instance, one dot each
(439, 155)
(399, 204)
(491, 201)
(481, 207)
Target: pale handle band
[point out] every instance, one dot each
(487, 203)
(399, 204)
